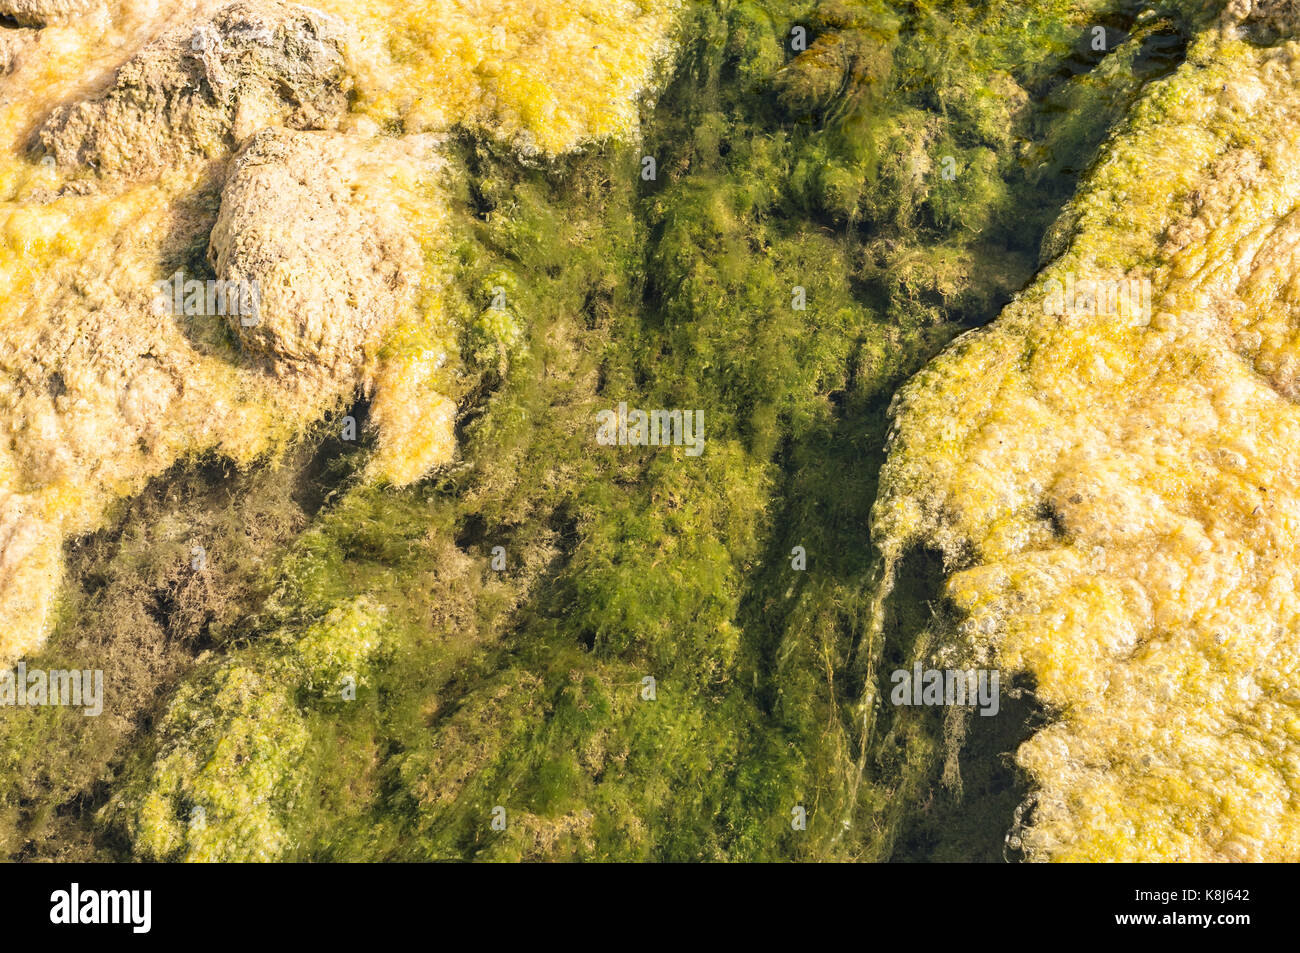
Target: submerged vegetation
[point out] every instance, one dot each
(634, 652)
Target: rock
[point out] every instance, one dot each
(197, 92)
(1114, 485)
(332, 264)
(330, 288)
(45, 12)
(13, 44)
(1266, 21)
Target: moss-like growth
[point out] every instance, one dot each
(798, 255)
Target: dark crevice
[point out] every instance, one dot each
(1162, 52)
(471, 533)
(334, 459)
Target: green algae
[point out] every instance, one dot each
(523, 688)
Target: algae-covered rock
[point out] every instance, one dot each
(849, 54)
(543, 581)
(42, 12)
(1109, 471)
(545, 76)
(326, 291)
(199, 90)
(328, 294)
(1266, 21)
(231, 748)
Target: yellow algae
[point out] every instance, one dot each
(542, 74)
(416, 424)
(102, 389)
(1117, 491)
